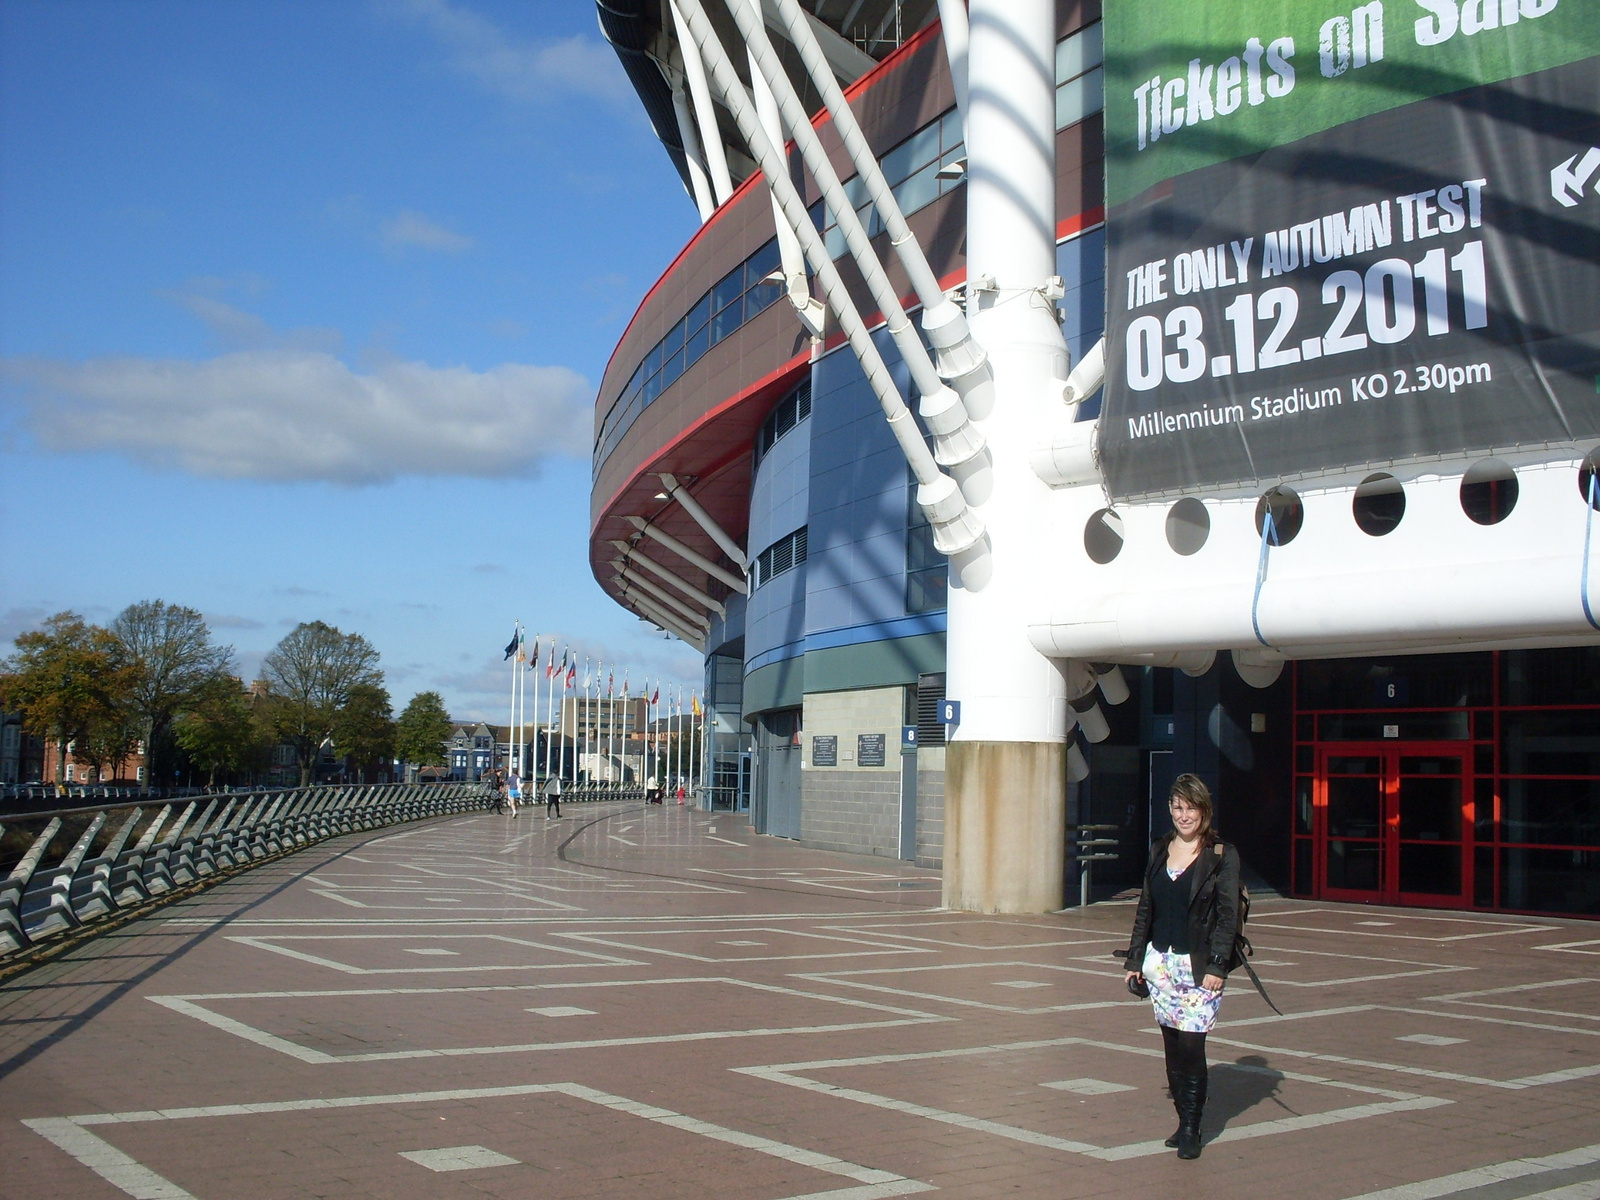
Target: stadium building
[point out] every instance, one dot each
(1323, 536)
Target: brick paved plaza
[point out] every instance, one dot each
(659, 1004)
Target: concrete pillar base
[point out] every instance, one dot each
(1005, 812)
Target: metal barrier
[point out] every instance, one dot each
(1088, 853)
(179, 846)
(585, 793)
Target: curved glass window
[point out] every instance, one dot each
(739, 296)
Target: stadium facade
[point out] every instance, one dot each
(1355, 600)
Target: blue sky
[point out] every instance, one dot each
(302, 309)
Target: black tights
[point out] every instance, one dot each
(1186, 1052)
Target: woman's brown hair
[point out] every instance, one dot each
(1191, 789)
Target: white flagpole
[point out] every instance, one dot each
(522, 715)
(677, 742)
(587, 713)
(611, 724)
(519, 663)
(549, 716)
(516, 636)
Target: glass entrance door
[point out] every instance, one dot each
(1394, 823)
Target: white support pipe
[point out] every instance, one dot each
(665, 621)
(702, 518)
(660, 595)
(693, 153)
(953, 22)
(955, 440)
(796, 286)
(956, 532)
(705, 111)
(633, 555)
(690, 555)
(1011, 691)
(961, 358)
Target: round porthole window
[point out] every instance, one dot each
(1489, 491)
(1378, 505)
(1589, 478)
(1188, 526)
(1102, 536)
(1288, 514)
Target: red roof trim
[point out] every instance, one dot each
(1084, 220)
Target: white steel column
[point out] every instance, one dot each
(694, 156)
(634, 556)
(1005, 782)
(703, 519)
(956, 34)
(796, 286)
(690, 555)
(694, 70)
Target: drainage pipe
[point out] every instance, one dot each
(955, 440)
(961, 359)
(956, 530)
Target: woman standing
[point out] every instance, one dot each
(1184, 930)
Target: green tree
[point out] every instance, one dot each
(112, 734)
(363, 730)
(310, 674)
(168, 661)
(422, 731)
(217, 731)
(62, 679)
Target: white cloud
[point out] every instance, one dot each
(409, 228)
(230, 621)
(285, 413)
(520, 70)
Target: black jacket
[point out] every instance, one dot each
(1213, 909)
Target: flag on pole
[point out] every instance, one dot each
(625, 685)
(514, 644)
(656, 697)
(694, 701)
(611, 682)
(533, 664)
(572, 674)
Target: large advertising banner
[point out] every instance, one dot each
(1342, 234)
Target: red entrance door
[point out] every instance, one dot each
(1394, 822)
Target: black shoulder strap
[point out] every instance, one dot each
(1244, 961)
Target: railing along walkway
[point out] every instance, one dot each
(129, 855)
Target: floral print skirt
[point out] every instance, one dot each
(1178, 1001)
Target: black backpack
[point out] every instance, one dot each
(1242, 949)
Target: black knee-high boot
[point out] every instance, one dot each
(1169, 1043)
(1192, 1092)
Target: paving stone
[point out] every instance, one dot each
(660, 1010)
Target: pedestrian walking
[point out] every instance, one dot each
(497, 791)
(513, 791)
(552, 796)
(1183, 930)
